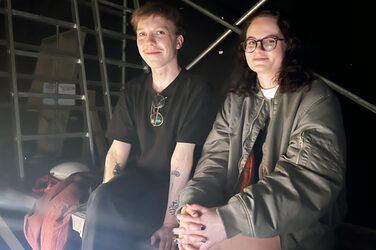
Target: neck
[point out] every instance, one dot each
(267, 81)
(163, 77)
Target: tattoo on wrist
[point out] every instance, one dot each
(116, 170)
(173, 207)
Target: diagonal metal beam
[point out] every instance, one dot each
(348, 94)
(212, 16)
(225, 34)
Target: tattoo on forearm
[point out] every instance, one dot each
(116, 170)
(175, 173)
(173, 207)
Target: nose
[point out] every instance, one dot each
(150, 38)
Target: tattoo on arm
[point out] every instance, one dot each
(116, 170)
(175, 173)
(173, 207)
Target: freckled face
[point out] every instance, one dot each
(260, 61)
(157, 41)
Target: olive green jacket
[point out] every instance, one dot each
(300, 192)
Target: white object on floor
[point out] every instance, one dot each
(65, 169)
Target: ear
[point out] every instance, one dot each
(179, 42)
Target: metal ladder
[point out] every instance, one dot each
(18, 49)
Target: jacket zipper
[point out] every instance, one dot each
(250, 130)
(301, 144)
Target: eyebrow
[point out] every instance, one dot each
(271, 35)
(159, 27)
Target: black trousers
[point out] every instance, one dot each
(125, 211)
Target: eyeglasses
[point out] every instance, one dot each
(267, 44)
(156, 118)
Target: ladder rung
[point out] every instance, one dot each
(116, 62)
(42, 19)
(45, 54)
(51, 95)
(44, 50)
(38, 107)
(39, 78)
(124, 64)
(109, 33)
(114, 5)
(117, 12)
(22, 49)
(116, 34)
(99, 83)
(52, 136)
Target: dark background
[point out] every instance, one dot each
(337, 41)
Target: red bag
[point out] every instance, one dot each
(44, 183)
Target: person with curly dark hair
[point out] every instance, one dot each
(292, 74)
(272, 170)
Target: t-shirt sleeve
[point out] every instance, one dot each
(198, 115)
(121, 127)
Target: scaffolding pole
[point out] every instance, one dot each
(102, 60)
(87, 115)
(14, 89)
(212, 16)
(348, 94)
(225, 34)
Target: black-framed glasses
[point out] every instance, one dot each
(156, 118)
(267, 44)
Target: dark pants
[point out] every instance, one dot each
(125, 211)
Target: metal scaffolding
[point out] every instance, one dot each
(17, 49)
(109, 88)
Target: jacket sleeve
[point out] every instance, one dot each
(210, 175)
(306, 181)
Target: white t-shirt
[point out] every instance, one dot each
(269, 93)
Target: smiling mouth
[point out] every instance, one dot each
(260, 59)
(152, 52)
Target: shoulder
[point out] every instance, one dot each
(134, 86)
(317, 91)
(137, 82)
(193, 87)
(193, 81)
(236, 101)
(316, 95)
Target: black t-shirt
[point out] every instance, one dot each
(188, 114)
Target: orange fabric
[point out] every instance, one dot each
(248, 171)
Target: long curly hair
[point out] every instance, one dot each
(292, 75)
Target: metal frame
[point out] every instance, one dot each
(27, 50)
(89, 134)
(102, 60)
(226, 33)
(14, 89)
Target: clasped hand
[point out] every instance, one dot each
(199, 228)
